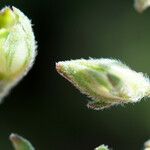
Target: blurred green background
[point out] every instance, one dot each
(48, 110)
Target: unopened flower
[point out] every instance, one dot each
(17, 48)
(106, 81)
(102, 147)
(141, 5)
(20, 143)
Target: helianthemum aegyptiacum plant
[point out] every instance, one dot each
(106, 82)
(17, 48)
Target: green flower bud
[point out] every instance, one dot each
(17, 48)
(102, 147)
(19, 143)
(141, 5)
(107, 82)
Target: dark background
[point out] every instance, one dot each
(48, 110)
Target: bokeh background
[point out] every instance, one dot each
(48, 110)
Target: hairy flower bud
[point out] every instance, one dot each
(17, 48)
(107, 82)
(141, 5)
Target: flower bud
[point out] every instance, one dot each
(141, 5)
(106, 81)
(20, 143)
(17, 47)
(102, 147)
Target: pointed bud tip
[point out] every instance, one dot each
(58, 67)
(7, 17)
(14, 138)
